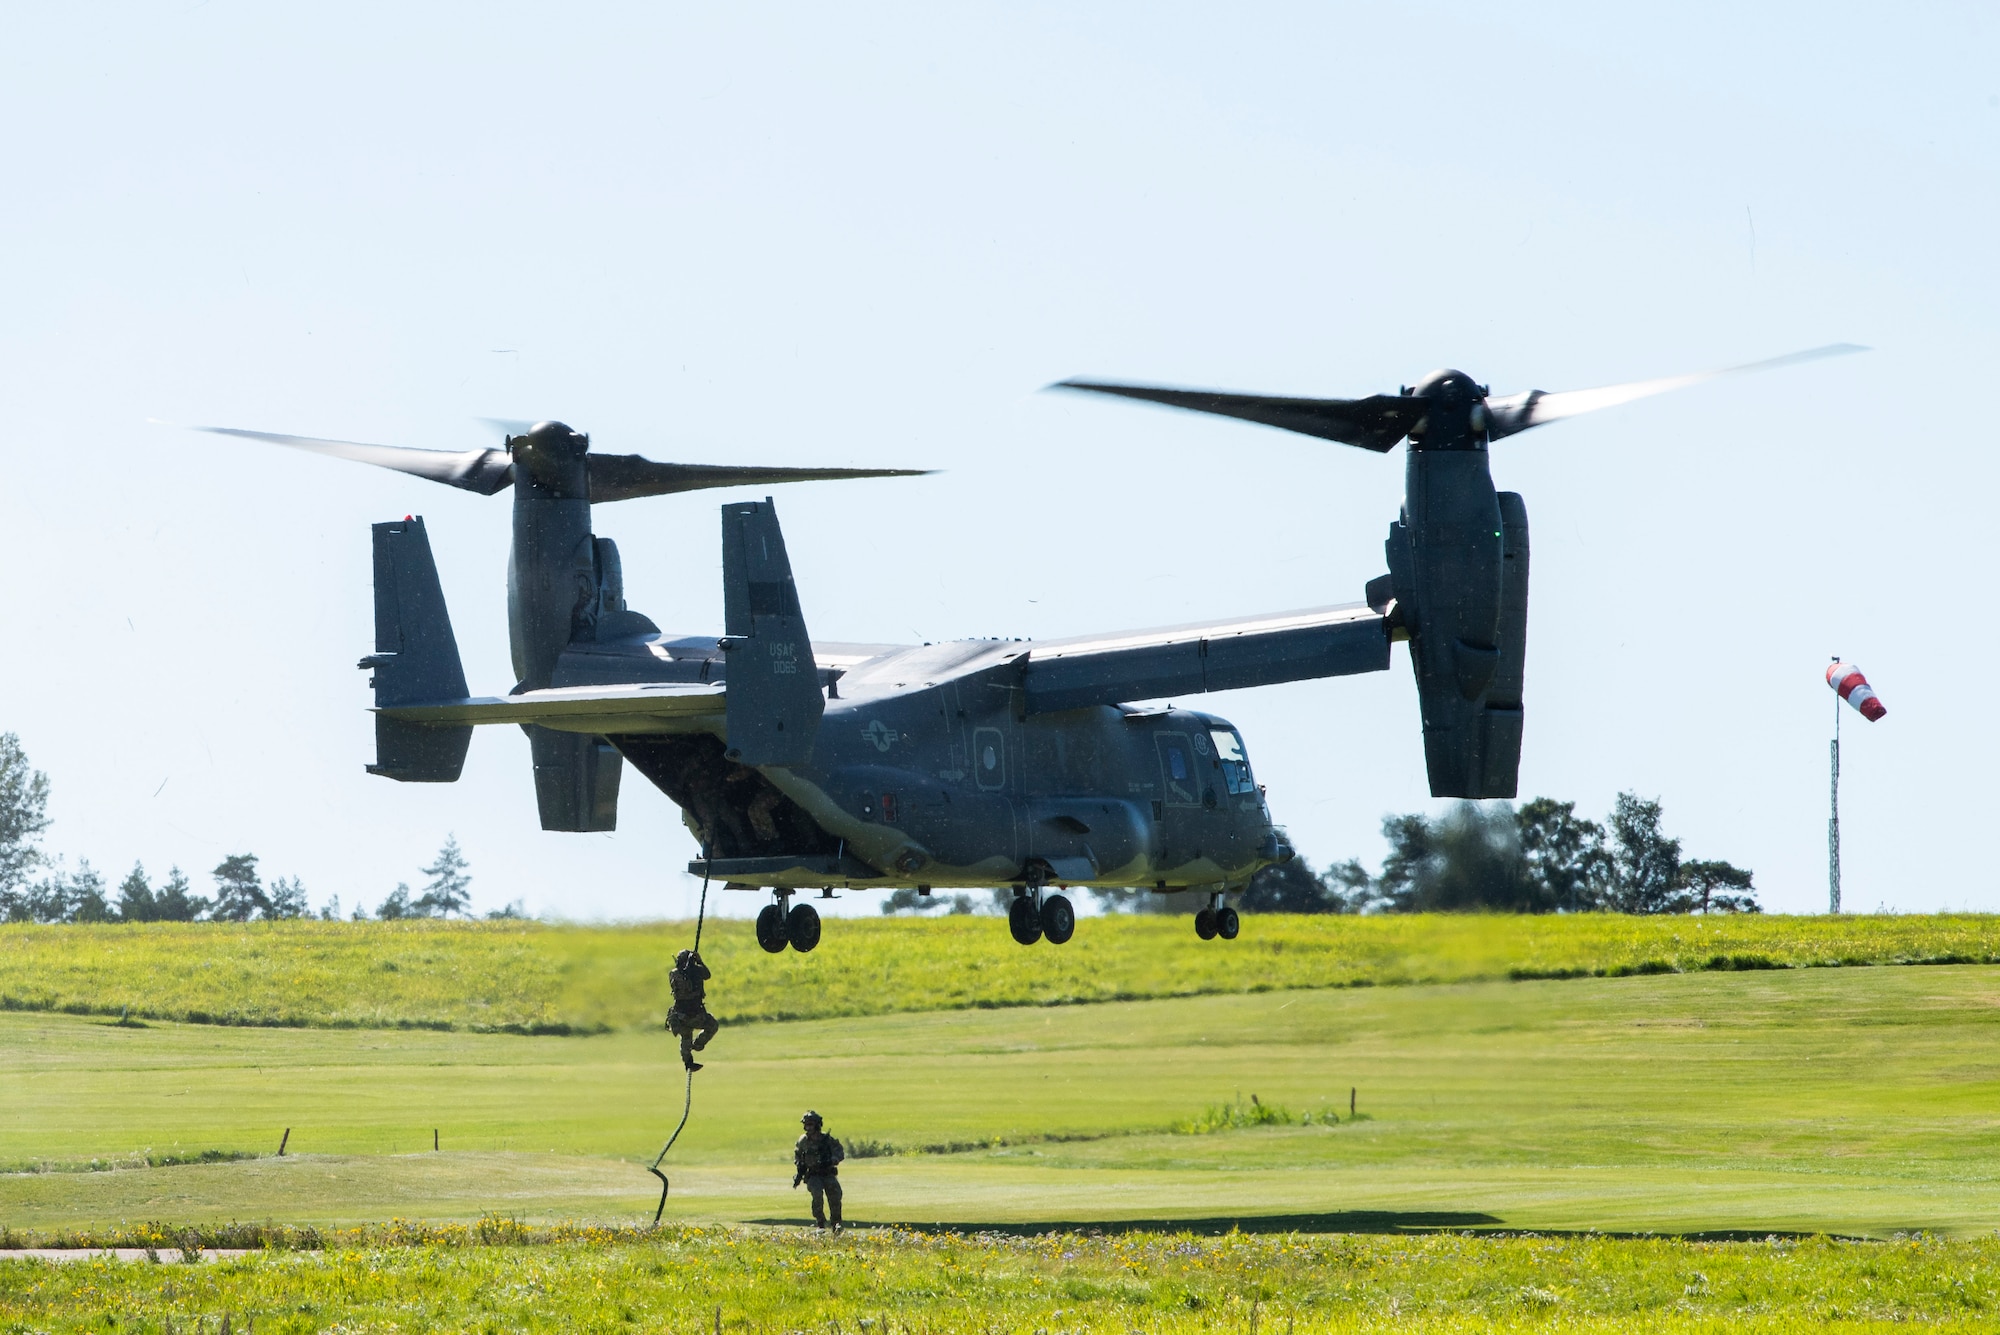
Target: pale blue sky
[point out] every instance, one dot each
(867, 235)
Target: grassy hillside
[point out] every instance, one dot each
(1858, 1101)
(536, 978)
(878, 1283)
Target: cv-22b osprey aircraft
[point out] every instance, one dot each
(813, 765)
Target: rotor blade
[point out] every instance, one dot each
(1374, 423)
(1518, 412)
(482, 471)
(624, 477)
(508, 426)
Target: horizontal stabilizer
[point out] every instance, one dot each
(595, 710)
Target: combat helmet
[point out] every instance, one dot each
(812, 1119)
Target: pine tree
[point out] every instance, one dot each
(239, 891)
(447, 891)
(24, 814)
(288, 898)
(1702, 881)
(173, 903)
(1646, 863)
(1564, 854)
(136, 901)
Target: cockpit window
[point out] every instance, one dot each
(1177, 769)
(1235, 764)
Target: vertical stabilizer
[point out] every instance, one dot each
(415, 659)
(773, 700)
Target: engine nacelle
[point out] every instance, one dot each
(1458, 568)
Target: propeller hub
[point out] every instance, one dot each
(1450, 388)
(555, 439)
(1455, 412)
(553, 455)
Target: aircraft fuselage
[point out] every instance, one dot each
(928, 770)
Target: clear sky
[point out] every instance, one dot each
(868, 235)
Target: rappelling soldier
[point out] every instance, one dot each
(816, 1158)
(689, 1017)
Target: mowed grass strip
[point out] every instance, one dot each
(1849, 1101)
(535, 978)
(883, 1281)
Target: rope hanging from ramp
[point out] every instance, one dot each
(665, 1185)
(701, 915)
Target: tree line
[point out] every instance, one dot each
(63, 894)
(1540, 857)
(1495, 857)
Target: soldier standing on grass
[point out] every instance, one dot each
(689, 1015)
(817, 1157)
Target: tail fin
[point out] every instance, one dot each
(415, 659)
(773, 700)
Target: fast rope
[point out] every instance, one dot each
(701, 915)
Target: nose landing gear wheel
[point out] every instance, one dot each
(1227, 924)
(802, 927)
(1058, 919)
(1024, 920)
(771, 928)
(1205, 925)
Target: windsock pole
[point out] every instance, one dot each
(1833, 822)
(1849, 685)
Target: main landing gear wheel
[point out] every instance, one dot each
(1227, 924)
(1205, 925)
(1058, 919)
(1024, 920)
(802, 927)
(771, 928)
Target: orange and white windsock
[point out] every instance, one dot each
(1846, 679)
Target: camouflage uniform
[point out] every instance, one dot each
(816, 1160)
(689, 1015)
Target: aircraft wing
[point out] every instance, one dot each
(1205, 656)
(597, 710)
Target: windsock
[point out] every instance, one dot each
(1846, 679)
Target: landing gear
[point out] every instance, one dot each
(771, 927)
(1058, 919)
(802, 927)
(782, 923)
(1218, 919)
(1034, 915)
(1024, 918)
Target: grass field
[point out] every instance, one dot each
(1853, 1101)
(536, 978)
(882, 1283)
(1069, 1167)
